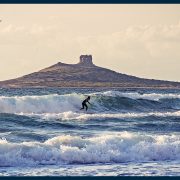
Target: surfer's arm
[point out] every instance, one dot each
(89, 102)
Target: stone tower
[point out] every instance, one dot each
(86, 60)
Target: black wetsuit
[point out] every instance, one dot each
(84, 104)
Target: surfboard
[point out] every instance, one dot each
(84, 112)
(89, 112)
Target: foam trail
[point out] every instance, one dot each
(69, 115)
(114, 148)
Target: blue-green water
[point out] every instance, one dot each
(124, 132)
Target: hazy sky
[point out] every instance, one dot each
(140, 40)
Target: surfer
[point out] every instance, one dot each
(84, 103)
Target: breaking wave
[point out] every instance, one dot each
(114, 148)
(140, 95)
(109, 101)
(39, 104)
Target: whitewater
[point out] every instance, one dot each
(128, 132)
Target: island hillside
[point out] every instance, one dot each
(83, 74)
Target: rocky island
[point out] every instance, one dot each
(83, 74)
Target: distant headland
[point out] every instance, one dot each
(84, 74)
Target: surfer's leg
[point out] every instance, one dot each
(86, 107)
(82, 106)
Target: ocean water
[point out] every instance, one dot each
(128, 132)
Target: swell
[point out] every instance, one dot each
(40, 126)
(115, 148)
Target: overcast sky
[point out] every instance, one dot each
(140, 40)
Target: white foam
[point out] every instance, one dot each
(114, 148)
(40, 104)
